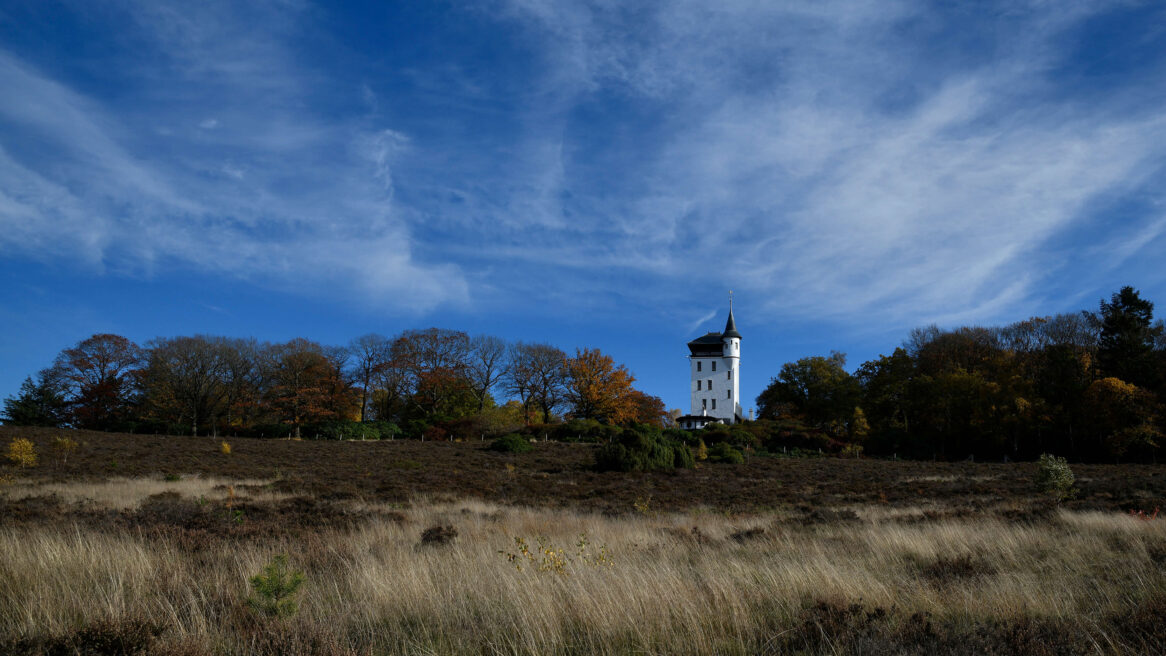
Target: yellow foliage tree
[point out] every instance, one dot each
(62, 448)
(22, 452)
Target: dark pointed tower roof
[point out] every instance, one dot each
(731, 328)
(731, 324)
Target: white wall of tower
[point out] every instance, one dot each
(715, 387)
(733, 363)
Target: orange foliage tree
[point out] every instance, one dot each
(598, 388)
(308, 386)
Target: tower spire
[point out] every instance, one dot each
(731, 324)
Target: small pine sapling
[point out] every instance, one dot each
(273, 591)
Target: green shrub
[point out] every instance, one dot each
(585, 430)
(343, 429)
(786, 436)
(1053, 477)
(273, 590)
(690, 437)
(512, 443)
(737, 435)
(643, 448)
(724, 452)
(385, 430)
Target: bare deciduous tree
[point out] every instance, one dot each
(537, 375)
(370, 356)
(485, 366)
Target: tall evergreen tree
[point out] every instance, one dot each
(39, 403)
(1126, 348)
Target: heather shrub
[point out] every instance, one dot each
(435, 535)
(945, 570)
(129, 636)
(744, 535)
(512, 443)
(1053, 477)
(171, 509)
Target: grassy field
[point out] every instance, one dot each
(146, 545)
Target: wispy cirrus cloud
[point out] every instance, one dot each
(840, 158)
(889, 160)
(227, 170)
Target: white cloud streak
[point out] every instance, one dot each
(811, 191)
(259, 192)
(837, 158)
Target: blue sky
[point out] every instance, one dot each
(591, 174)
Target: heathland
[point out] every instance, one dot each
(151, 544)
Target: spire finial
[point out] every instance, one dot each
(730, 300)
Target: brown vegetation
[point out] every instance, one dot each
(449, 547)
(561, 474)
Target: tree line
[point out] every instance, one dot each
(431, 383)
(1089, 385)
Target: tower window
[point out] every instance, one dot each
(714, 366)
(698, 365)
(730, 395)
(710, 384)
(730, 376)
(704, 404)
(698, 385)
(714, 404)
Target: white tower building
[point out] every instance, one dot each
(715, 365)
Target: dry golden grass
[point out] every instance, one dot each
(698, 582)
